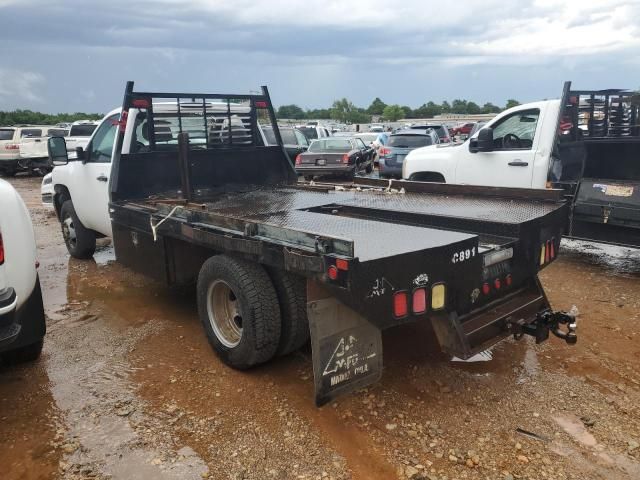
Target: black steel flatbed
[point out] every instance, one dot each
(364, 223)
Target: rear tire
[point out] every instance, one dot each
(238, 308)
(80, 241)
(292, 297)
(369, 168)
(27, 353)
(308, 178)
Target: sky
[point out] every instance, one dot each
(76, 55)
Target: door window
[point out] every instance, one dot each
(102, 142)
(302, 140)
(516, 131)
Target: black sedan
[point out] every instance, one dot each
(334, 156)
(294, 140)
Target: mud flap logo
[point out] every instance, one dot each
(345, 362)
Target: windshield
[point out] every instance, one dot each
(439, 129)
(57, 132)
(288, 137)
(6, 134)
(31, 132)
(367, 138)
(81, 130)
(333, 144)
(410, 141)
(309, 132)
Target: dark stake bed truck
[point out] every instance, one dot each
(196, 197)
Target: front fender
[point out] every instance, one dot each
(435, 158)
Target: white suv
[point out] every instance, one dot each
(22, 323)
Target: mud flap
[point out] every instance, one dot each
(346, 348)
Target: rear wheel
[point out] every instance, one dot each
(238, 308)
(308, 178)
(28, 353)
(80, 241)
(369, 168)
(292, 297)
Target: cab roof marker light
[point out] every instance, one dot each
(438, 296)
(400, 304)
(542, 250)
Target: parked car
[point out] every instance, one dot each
(79, 134)
(463, 130)
(341, 156)
(376, 127)
(34, 157)
(374, 140)
(398, 147)
(10, 138)
(22, 323)
(46, 191)
(313, 132)
(440, 129)
(294, 141)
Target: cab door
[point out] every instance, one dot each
(90, 192)
(511, 162)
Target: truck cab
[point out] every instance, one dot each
(517, 154)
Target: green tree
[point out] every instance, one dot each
(459, 106)
(17, 117)
(429, 109)
(490, 108)
(318, 113)
(393, 113)
(473, 108)
(408, 112)
(376, 107)
(511, 103)
(342, 109)
(290, 111)
(446, 108)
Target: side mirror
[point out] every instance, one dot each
(57, 150)
(81, 155)
(483, 142)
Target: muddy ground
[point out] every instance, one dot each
(129, 388)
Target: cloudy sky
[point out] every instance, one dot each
(75, 55)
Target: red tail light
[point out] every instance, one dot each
(345, 158)
(342, 264)
(384, 151)
(552, 253)
(486, 289)
(261, 104)
(497, 283)
(141, 103)
(419, 302)
(400, 304)
(1, 250)
(547, 252)
(508, 280)
(298, 159)
(332, 272)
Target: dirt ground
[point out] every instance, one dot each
(128, 388)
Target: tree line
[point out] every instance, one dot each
(345, 111)
(29, 117)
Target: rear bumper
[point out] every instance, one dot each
(21, 326)
(393, 169)
(328, 170)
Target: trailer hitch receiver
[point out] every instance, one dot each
(545, 322)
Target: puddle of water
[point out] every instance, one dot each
(576, 429)
(618, 260)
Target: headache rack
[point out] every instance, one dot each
(202, 140)
(600, 115)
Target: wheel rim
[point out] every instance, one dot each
(69, 231)
(224, 314)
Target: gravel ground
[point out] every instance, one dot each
(129, 388)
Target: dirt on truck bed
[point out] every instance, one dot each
(129, 388)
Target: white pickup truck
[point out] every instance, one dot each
(587, 143)
(22, 323)
(518, 155)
